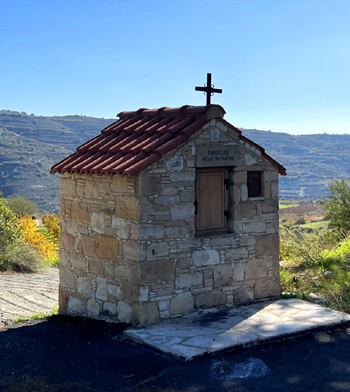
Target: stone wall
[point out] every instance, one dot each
(180, 272)
(129, 251)
(99, 246)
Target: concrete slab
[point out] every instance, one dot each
(208, 332)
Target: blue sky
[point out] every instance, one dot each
(283, 66)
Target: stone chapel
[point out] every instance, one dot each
(166, 212)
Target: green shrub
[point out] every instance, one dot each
(20, 205)
(337, 205)
(21, 257)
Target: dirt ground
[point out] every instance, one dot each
(77, 355)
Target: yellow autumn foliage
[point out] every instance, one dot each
(52, 224)
(33, 237)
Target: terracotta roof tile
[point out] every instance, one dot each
(139, 139)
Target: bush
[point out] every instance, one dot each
(20, 205)
(9, 232)
(22, 257)
(337, 205)
(30, 234)
(52, 225)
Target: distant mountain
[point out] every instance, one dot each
(30, 145)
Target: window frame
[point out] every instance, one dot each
(250, 190)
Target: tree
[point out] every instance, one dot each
(9, 232)
(337, 205)
(20, 205)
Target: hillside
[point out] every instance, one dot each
(30, 145)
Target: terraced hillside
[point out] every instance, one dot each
(30, 145)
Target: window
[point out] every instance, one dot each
(211, 201)
(254, 184)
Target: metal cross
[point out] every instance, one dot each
(209, 89)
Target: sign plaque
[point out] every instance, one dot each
(209, 155)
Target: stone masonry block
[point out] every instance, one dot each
(256, 268)
(157, 250)
(109, 310)
(127, 207)
(71, 228)
(151, 184)
(271, 175)
(175, 163)
(267, 287)
(182, 211)
(182, 303)
(210, 299)
(214, 135)
(254, 227)
(84, 286)
(101, 288)
(67, 241)
(67, 186)
(205, 257)
(124, 312)
(96, 267)
(107, 247)
(92, 189)
(244, 210)
(97, 222)
(88, 245)
(119, 184)
(240, 177)
(244, 192)
(146, 314)
(183, 177)
(144, 291)
(67, 278)
(123, 271)
(243, 296)
(76, 306)
(223, 275)
(157, 271)
(114, 291)
(267, 245)
(63, 296)
(81, 212)
(238, 272)
(93, 308)
(176, 232)
(165, 200)
(188, 281)
(151, 231)
(269, 206)
(274, 189)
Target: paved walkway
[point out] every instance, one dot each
(22, 295)
(197, 334)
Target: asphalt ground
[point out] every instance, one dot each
(73, 355)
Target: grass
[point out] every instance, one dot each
(281, 206)
(320, 226)
(317, 263)
(37, 316)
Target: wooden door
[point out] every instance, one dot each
(211, 199)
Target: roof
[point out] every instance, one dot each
(140, 138)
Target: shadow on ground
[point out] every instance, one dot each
(76, 355)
